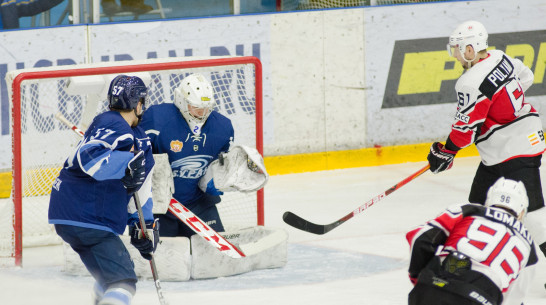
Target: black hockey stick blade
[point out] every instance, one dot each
(304, 225)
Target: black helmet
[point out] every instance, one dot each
(126, 91)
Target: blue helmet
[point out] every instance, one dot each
(126, 91)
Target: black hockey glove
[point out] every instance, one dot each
(439, 158)
(135, 173)
(144, 245)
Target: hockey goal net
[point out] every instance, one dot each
(41, 143)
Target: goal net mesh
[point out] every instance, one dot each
(46, 142)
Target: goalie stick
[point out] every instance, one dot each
(185, 215)
(204, 230)
(305, 225)
(153, 267)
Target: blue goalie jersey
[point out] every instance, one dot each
(89, 192)
(189, 154)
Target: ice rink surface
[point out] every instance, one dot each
(363, 261)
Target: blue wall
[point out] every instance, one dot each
(173, 9)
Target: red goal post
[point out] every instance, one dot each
(40, 144)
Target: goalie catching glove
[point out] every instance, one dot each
(144, 245)
(240, 169)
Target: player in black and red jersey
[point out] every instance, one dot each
(493, 114)
(474, 254)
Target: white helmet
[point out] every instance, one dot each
(195, 91)
(471, 33)
(508, 194)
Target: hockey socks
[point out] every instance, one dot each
(116, 296)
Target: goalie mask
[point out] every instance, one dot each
(194, 97)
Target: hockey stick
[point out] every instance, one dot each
(185, 215)
(157, 284)
(59, 116)
(204, 230)
(305, 225)
(162, 300)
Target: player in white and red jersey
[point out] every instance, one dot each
(474, 254)
(493, 114)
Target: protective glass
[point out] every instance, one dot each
(451, 50)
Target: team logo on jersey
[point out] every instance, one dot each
(176, 146)
(191, 167)
(461, 117)
(533, 138)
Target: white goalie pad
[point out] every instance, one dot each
(172, 259)
(162, 184)
(176, 260)
(265, 248)
(241, 169)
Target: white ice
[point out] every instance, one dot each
(363, 261)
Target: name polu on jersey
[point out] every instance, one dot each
(497, 78)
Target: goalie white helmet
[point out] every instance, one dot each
(508, 194)
(471, 33)
(194, 97)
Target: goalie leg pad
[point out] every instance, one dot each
(267, 247)
(172, 258)
(102, 252)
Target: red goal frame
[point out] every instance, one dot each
(129, 68)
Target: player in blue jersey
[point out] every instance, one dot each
(91, 200)
(193, 135)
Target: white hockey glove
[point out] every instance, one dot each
(241, 169)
